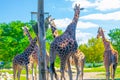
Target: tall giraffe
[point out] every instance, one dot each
(65, 45)
(78, 57)
(22, 59)
(110, 55)
(34, 58)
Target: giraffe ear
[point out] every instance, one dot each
(82, 8)
(104, 30)
(53, 18)
(26, 27)
(49, 16)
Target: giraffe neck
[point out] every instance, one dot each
(30, 48)
(29, 36)
(72, 26)
(106, 42)
(30, 39)
(54, 30)
(103, 37)
(76, 17)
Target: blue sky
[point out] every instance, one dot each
(103, 13)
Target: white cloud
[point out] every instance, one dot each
(63, 23)
(83, 3)
(107, 4)
(101, 5)
(108, 16)
(86, 25)
(83, 37)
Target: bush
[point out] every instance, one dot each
(6, 65)
(90, 65)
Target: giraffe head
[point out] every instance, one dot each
(77, 9)
(47, 22)
(25, 29)
(100, 32)
(51, 21)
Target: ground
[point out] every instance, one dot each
(97, 73)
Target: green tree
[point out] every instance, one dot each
(93, 50)
(12, 40)
(114, 35)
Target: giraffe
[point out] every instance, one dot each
(22, 59)
(64, 45)
(78, 57)
(110, 55)
(34, 58)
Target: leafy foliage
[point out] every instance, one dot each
(12, 40)
(115, 39)
(93, 50)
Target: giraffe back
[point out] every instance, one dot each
(23, 58)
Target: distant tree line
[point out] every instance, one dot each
(13, 41)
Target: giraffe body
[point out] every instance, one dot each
(34, 55)
(22, 60)
(78, 59)
(65, 45)
(110, 56)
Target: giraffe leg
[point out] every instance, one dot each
(32, 71)
(63, 61)
(19, 72)
(62, 75)
(113, 66)
(106, 63)
(47, 71)
(107, 73)
(81, 69)
(52, 68)
(14, 70)
(113, 69)
(69, 69)
(26, 72)
(77, 66)
(35, 72)
(47, 75)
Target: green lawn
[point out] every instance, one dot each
(95, 69)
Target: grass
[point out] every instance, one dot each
(94, 69)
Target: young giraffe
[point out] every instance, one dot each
(34, 56)
(110, 55)
(78, 57)
(65, 45)
(79, 60)
(21, 60)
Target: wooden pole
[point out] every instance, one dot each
(41, 39)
